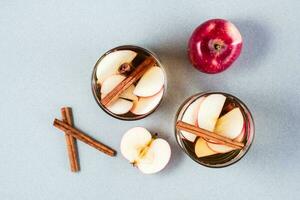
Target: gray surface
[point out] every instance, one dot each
(48, 50)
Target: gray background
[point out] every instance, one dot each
(48, 50)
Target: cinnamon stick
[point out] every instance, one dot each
(66, 113)
(208, 135)
(127, 82)
(83, 137)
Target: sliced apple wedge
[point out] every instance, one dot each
(146, 104)
(150, 83)
(110, 63)
(150, 155)
(120, 106)
(190, 116)
(231, 124)
(201, 148)
(110, 83)
(210, 110)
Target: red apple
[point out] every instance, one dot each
(214, 46)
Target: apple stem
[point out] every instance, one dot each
(217, 47)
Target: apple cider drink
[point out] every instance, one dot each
(128, 82)
(226, 122)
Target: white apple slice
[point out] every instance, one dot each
(231, 124)
(146, 104)
(190, 116)
(150, 83)
(148, 154)
(120, 106)
(210, 110)
(156, 158)
(110, 63)
(201, 148)
(133, 141)
(110, 83)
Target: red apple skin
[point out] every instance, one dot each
(214, 46)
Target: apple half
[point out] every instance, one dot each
(150, 83)
(190, 116)
(146, 104)
(209, 111)
(149, 154)
(111, 62)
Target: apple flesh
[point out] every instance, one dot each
(190, 116)
(111, 62)
(149, 154)
(214, 46)
(201, 148)
(150, 83)
(210, 110)
(146, 104)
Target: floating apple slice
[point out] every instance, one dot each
(231, 124)
(146, 104)
(150, 83)
(133, 141)
(190, 116)
(150, 155)
(210, 110)
(120, 106)
(110, 63)
(220, 148)
(111, 82)
(201, 148)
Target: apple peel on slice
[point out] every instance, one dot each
(149, 154)
(150, 83)
(120, 106)
(146, 104)
(190, 116)
(111, 62)
(210, 110)
(201, 148)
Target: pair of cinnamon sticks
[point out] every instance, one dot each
(208, 135)
(71, 134)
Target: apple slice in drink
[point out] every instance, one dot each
(230, 125)
(150, 83)
(146, 104)
(111, 62)
(201, 148)
(120, 106)
(209, 111)
(149, 154)
(190, 116)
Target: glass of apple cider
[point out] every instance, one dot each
(219, 113)
(143, 96)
